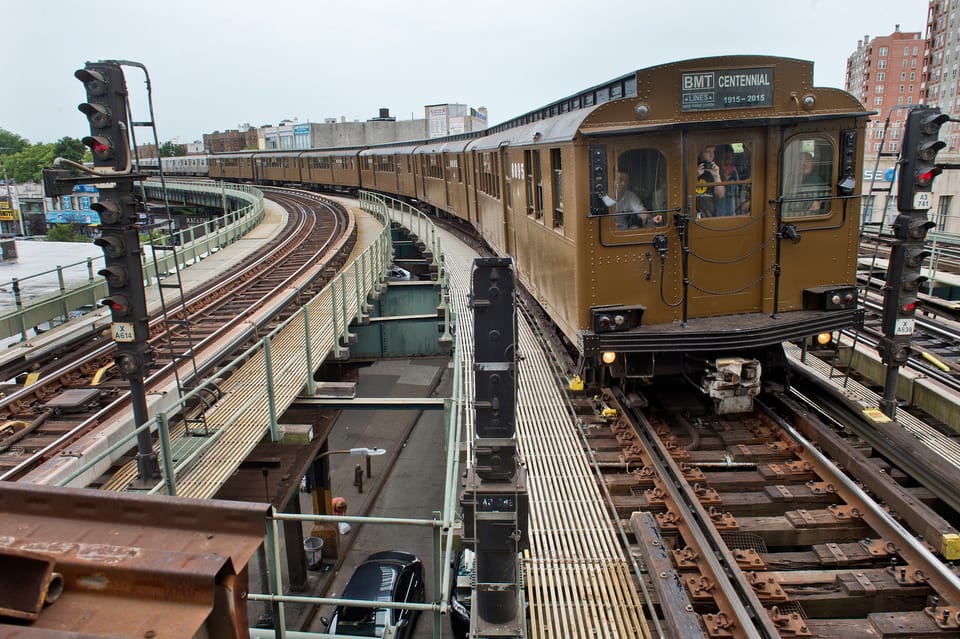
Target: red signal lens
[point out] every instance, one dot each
(908, 307)
(926, 178)
(116, 304)
(101, 149)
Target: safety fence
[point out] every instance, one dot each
(57, 295)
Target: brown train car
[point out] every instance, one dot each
(345, 168)
(331, 169)
(441, 175)
(233, 167)
(667, 220)
(388, 169)
(316, 168)
(662, 263)
(277, 167)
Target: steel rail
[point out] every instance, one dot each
(740, 596)
(939, 576)
(284, 289)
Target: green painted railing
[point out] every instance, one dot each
(30, 308)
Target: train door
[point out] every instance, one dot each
(418, 185)
(506, 198)
(730, 222)
(447, 177)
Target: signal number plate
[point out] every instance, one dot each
(122, 331)
(904, 327)
(921, 200)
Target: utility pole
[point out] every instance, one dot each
(13, 199)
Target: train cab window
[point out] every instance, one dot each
(722, 186)
(639, 192)
(807, 177)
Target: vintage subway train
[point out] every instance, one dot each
(683, 219)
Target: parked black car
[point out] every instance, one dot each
(460, 593)
(391, 575)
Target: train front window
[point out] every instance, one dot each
(722, 186)
(638, 195)
(807, 177)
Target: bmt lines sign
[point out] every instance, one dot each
(732, 89)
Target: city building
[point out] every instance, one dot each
(439, 120)
(943, 57)
(886, 75)
(232, 140)
(451, 119)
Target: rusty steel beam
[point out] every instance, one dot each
(132, 565)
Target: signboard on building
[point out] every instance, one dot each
(437, 121)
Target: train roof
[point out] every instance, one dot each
(391, 148)
(338, 151)
(232, 154)
(444, 145)
(561, 128)
(741, 90)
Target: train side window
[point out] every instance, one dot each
(808, 171)
(639, 191)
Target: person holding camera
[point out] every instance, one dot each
(708, 173)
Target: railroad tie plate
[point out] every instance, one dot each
(74, 400)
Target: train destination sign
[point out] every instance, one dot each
(729, 89)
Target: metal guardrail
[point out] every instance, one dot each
(194, 243)
(342, 301)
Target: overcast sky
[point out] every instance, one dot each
(216, 64)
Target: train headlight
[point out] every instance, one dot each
(607, 319)
(608, 357)
(824, 338)
(830, 298)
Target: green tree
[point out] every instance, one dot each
(71, 149)
(26, 165)
(169, 150)
(11, 143)
(65, 233)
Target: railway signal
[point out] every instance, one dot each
(123, 271)
(921, 144)
(106, 109)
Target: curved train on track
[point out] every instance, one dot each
(683, 219)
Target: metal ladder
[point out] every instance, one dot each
(174, 310)
(874, 191)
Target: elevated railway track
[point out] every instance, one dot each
(73, 396)
(667, 520)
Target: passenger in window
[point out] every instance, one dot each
(726, 204)
(708, 172)
(812, 184)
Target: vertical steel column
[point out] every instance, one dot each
(166, 454)
(271, 404)
(336, 324)
(276, 585)
(308, 341)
